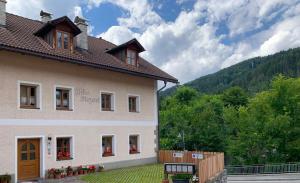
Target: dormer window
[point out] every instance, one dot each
(131, 57)
(59, 33)
(63, 40)
(128, 52)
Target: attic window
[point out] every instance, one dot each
(131, 57)
(63, 40)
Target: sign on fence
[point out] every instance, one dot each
(197, 156)
(177, 155)
(180, 168)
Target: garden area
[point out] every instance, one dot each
(148, 173)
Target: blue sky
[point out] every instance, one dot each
(186, 38)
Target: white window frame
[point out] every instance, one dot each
(113, 100)
(71, 96)
(138, 110)
(72, 147)
(38, 94)
(114, 145)
(139, 143)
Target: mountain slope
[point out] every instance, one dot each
(252, 75)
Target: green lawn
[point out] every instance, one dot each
(140, 174)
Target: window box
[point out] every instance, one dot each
(63, 148)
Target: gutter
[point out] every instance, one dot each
(158, 118)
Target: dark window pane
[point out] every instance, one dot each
(59, 40)
(66, 99)
(106, 101)
(24, 156)
(132, 104)
(66, 41)
(24, 147)
(133, 143)
(32, 156)
(58, 98)
(32, 147)
(32, 91)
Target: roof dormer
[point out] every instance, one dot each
(128, 52)
(59, 33)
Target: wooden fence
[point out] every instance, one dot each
(208, 167)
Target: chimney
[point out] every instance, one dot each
(2, 13)
(82, 38)
(45, 17)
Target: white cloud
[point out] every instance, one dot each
(140, 15)
(188, 49)
(285, 34)
(32, 8)
(20, 8)
(124, 34)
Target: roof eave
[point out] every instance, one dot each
(74, 61)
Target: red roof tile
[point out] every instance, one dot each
(18, 35)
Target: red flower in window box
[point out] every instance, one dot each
(107, 151)
(91, 169)
(63, 156)
(133, 149)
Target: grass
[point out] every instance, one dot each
(140, 174)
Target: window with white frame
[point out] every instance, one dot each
(29, 96)
(134, 144)
(133, 103)
(64, 148)
(107, 101)
(64, 98)
(108, 145)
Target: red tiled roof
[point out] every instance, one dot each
(18, 35)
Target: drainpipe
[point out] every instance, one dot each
(158, 118)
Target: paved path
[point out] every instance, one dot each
(278, 178)
(65, 180)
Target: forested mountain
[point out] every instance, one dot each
(252, 75)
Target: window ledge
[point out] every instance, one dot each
(64, 159)
(108, 110)
(132, 153)
(62, 109)
(107, 155)
(134, 111)
(24, 107)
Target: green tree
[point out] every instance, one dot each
(235, 96)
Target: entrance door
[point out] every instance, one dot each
(28, 159)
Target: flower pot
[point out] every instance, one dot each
(50, 176)
(165, 181)
(57, 176)
(70, 174)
